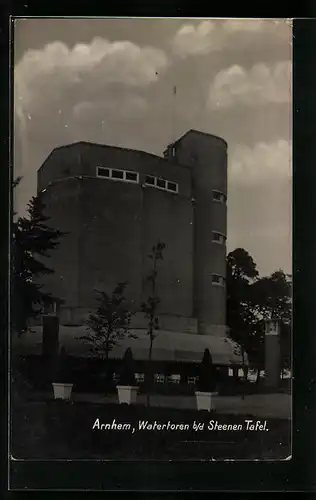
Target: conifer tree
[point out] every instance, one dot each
(32, 241)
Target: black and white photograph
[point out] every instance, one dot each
(151, 252)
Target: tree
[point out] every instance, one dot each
(272, 295)
(127, 371)
(255, 349)
(32, 242)
(110, 323)
(241, 273)
(250, 301)
(272, 298)
(241, 265)
(150, 306)
(207, 375)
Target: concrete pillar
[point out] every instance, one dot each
(50, 331)
(272, 353)
(50, 345)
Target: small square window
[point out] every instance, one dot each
(174, 379)
(219, 237)
(172, 186)
(218, 280)
(140, 377)
(160, 378)
(103, 172)
(219, 196)
(117, 174)
(150, 180)
(161, 183)
(131, 176)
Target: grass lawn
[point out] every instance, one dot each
(57, 429)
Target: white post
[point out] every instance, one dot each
(272, 353)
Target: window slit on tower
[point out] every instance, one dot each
(118, 175)
(131, 176)
(103, 172)
(150, 180)
(172, 186)
(162, 184)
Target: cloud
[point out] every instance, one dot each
(84, 71)
(64, 94)
(258, 85)
(215, 35)
(191, 40)
(248, 25)
(130, 106)
(261, 176)
(265, 163)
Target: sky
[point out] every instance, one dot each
(111, 81)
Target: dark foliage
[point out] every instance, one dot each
(32, 242)
(207, 374)
(62, 372)
(251, 300)
(127, 369)
(110, 323)
(241, 271)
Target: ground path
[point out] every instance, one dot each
(260, 405)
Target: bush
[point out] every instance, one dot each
(207, 376)
(127, 372)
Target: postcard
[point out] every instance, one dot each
(151, 296)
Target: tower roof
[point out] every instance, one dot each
(198, 132)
